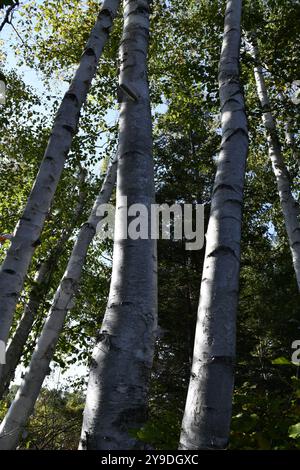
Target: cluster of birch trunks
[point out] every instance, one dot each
(116, 399)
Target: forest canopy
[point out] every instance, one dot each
(107, 110)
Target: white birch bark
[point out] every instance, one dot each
(207, 416)
(23, 404)
(16, 345)
(288, 203)
(122, 358)
(19, 255)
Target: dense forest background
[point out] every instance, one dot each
(40, 47)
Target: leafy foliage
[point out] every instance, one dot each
(183, 75)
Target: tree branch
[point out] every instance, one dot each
(8, 12)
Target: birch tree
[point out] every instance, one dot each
(121, 362)
(288, 203)
(207, 414)
(28, 230)
(23, 404)
(16, 345)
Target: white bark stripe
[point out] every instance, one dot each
(207, 415)
(122, 358)
(16, 345)
(23, 404)
(288, 203)
(28, 230)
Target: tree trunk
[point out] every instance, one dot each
(15, 347)
(122, 358)
(19, 255)
(288, 203)
(23, 404)
(207, 416)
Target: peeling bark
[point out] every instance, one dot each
(207, 416)
(288, 203)
(23, 404)
(28, 230)
(122, 358)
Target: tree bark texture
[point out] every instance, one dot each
(28, 230)
(23, 404)
(121, 362)
(207, 416)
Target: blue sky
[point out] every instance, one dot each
(9, 40)
(32, 78)
(35, 80)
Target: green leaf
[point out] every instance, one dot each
(294, 431)
(281, 361)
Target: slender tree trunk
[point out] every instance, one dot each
(122, 359)
(288, 203)
(23, 404)
(19, 255)
(206, 421)
(16, 345)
